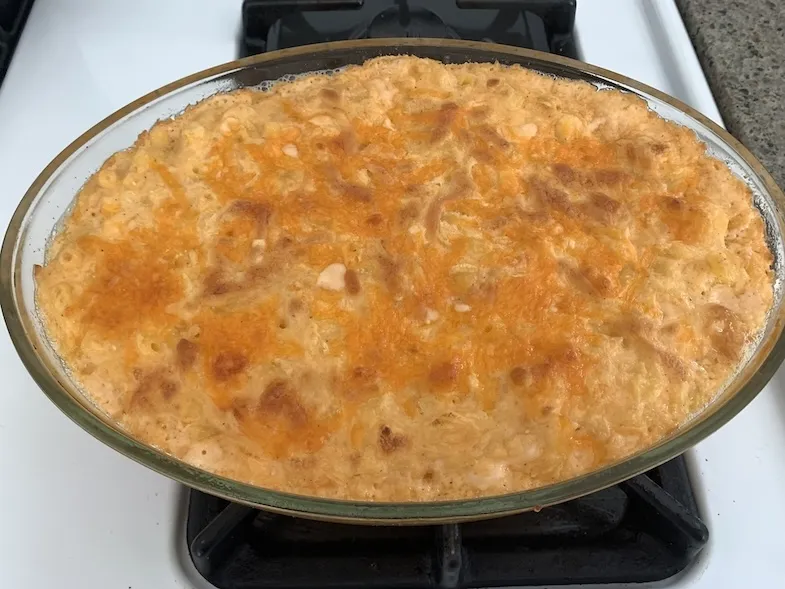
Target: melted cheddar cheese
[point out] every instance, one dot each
(408, 281)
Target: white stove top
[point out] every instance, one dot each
(78, 515)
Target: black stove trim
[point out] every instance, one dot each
(13, 16)
(643, 530)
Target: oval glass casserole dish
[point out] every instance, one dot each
(400, 290)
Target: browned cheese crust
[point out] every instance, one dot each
(408, 281)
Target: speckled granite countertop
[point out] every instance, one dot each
(741, 46)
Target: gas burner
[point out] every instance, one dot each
(643, 530)
(545, 25)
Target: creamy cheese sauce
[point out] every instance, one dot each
(408, 281)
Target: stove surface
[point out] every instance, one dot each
(79, 60)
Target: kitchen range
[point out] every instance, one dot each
(96, 519)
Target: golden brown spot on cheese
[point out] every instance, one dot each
(352, 282)
(258, 211)
(356, 193)
(347, 142)
(478, 113)
(281, 424)
(598, 210)
(483, 155)
(174, 185)
(518, 375)
(599, 280)
(609, 177)
(363, 373)
(390, 272)
(550, 197)
(564, 173)
(637, 155)
(232, 340)
(433, 216)
(153, 387)
(672, 362)
(409, 213)
(588, 280)
(444, 119)
(186, 353)
(279, 398)
(228, 364)
(491, 136)
(295, 306)
(216, 283)
(362, 382)
(330, 94)
(604, 206)
(389, 441)
(374, 220)
(242, 224)
(443, 374)
(459, 186)
(259, 273)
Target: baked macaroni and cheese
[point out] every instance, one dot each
(408, 281)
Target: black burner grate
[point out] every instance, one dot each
(545, 25)
(643, 530)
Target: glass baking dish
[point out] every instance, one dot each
(50, 196)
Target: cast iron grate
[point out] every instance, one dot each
(643, 530)
(546, 25)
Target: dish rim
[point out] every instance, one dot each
(709, 420)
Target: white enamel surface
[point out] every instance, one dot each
(78, 515)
